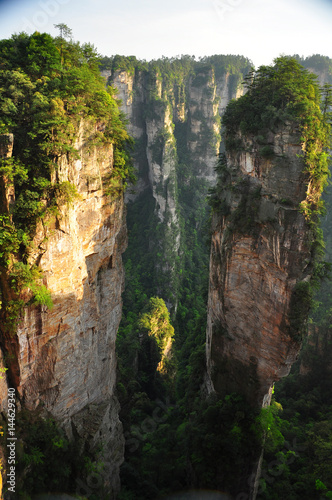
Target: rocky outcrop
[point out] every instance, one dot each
(131, 89)
(260, 268)
(65, 357)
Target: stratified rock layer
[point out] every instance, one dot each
(260, 258)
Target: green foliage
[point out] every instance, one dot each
(266, 152)
(13, 170)
(46, 459)
(9, 240)
(23, 276)
(209, 444)
(65, 31)
(228, 64)
(236, 67)
(197, 440)
(244, 219)
(300, 305)
(216, 198)
(306, 398)
(190, 448)
(162, 460)
(156, 322)
(318, 63)
(143, 346)
(65, 193)
(275, 94)
(122, 63)
(2, 370)
(157, 148)
(53, 99)
(280, 95)
(267, 426)
(306, 426)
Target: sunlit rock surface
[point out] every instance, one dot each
(261, 251)
(64, 358)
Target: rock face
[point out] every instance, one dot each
(260, 267)
(175, 121)
(204, 122)
(65, 357)
(197, 101)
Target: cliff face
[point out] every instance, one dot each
(259, 268)
(154, 106)
(174, 115)
(65, 357)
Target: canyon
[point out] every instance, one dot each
(62, 360)
(174, 112)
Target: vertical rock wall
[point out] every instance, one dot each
(174, 123)
(205, 94)
(66, 360)
(154, 107)
(260, 266)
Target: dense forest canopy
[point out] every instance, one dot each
(174, 69)
(319, 64)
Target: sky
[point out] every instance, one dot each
(258, 29)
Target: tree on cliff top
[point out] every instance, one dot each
(47, 86)
(280, 95)
(275, 94)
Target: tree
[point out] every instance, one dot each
(327, 99)
(65, 31)
(156, 322)
(156, 333)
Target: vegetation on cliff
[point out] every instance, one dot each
(174, 67)
(48, 87)
(176, 438)
(165, 420)
(306, 398)
(195, 443)
(300, 465)
(55, 106)
(285, 93)
(321, 65)
(166, 85)
(288, 96)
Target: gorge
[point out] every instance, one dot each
(64, 230)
